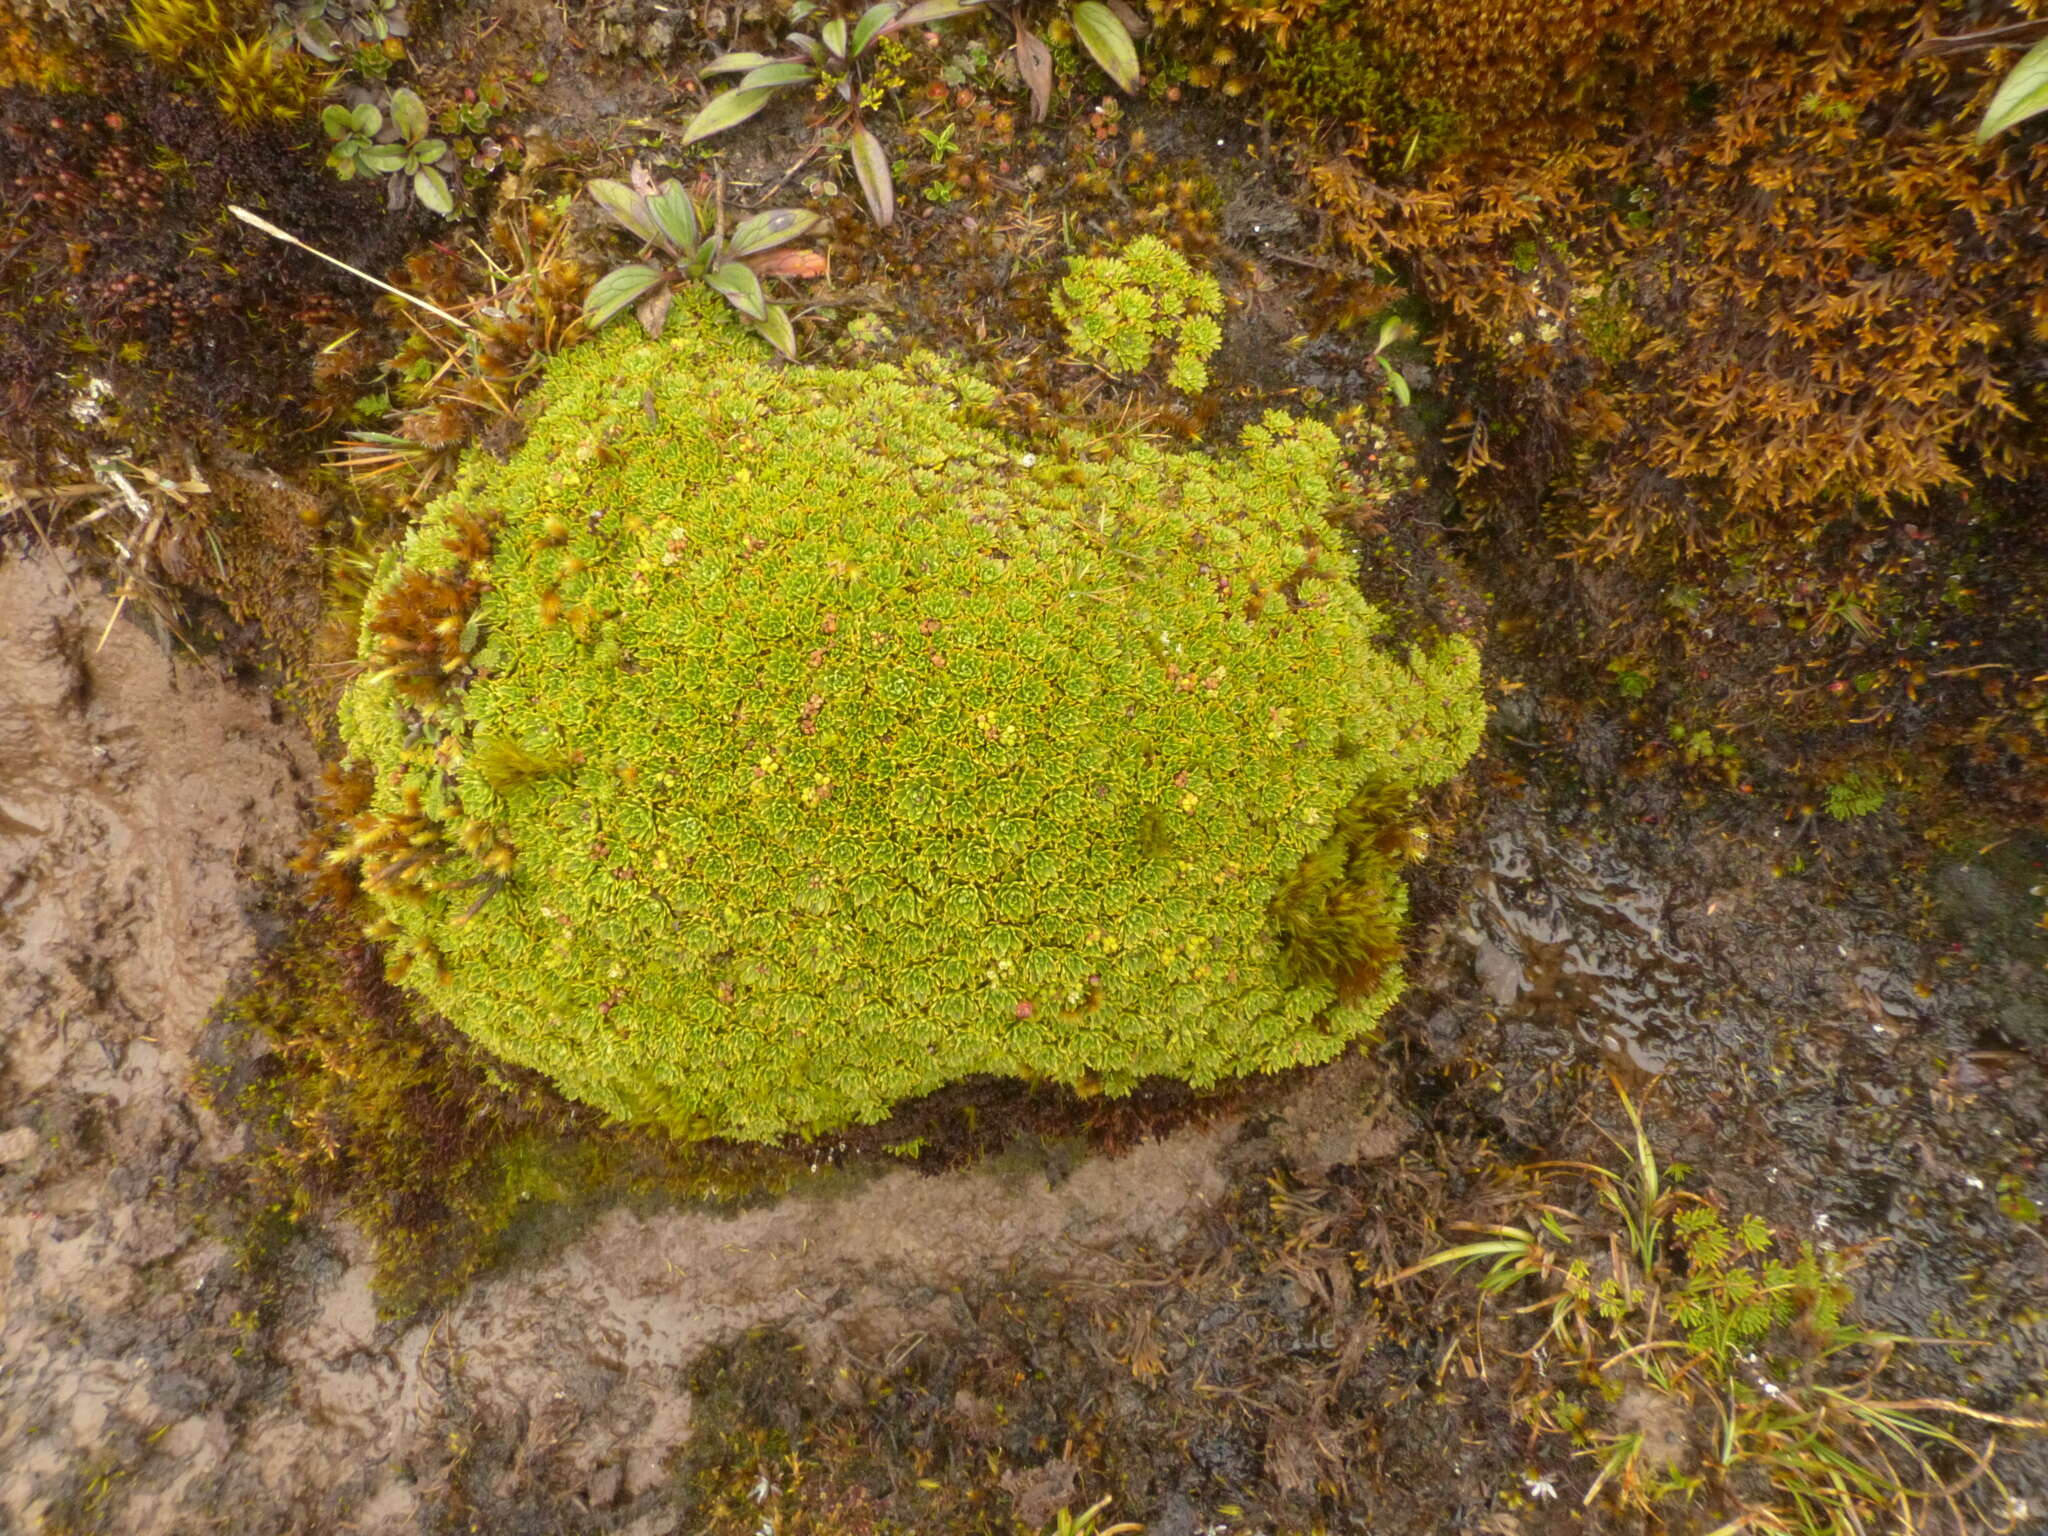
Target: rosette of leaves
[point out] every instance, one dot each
(327, 28)
(367, 143)
(671, 223)
(1119, 310)
(791, 743)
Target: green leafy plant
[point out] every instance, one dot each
(355, 151)
(1120, 311)
(672, 223)
(368, 142)
(1393, 331)
(1657, 1308)
(1089, 1523)
(843, 60)
(1855, 794)
(328, 29)
(754, 749)
(836, 62)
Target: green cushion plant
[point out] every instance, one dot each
(757, 748)
(1121, 309)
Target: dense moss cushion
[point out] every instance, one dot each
(761, 746)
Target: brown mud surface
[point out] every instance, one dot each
(1860, 1058)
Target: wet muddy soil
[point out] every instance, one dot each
(1849, 1045)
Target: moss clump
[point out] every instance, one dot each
(1119, 310)
(807, 747)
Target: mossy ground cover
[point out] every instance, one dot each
(756, 750)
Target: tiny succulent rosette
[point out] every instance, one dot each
(1122, 310)
(368, 142)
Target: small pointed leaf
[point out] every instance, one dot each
(2021, 95)
(775, 329)
(675, 214)
(1107, 42)
(812, 48)
(871, 166)
(742, 289)
(834, 35)
(765, 231)
(927, 11)
(615, 290)
(625, 207)
(727, 111)
(783, 72)
(733, 64)
(872, 20)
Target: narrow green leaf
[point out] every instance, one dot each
(1396, 382)
(431, 188)
(2021, 95)
(1107, 42)
(871, 165)
(625, 207)
(872, 20)
(834, 35)
(409, 113)
(775, 329)
(675, 215)
(783, 72)
(616, 290)
(727, 111)
(776, 226)
(741, 287)
(927, 11)
(733, 64)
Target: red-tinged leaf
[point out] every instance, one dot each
(1135, 22)
(777, 226)
(1034, 64)
(775, 329)
(613, 292)
(727, 111)
(733, 64)
(624, 207)
(742, 289)
(1107, 42)
(791, 264)
(871, 165)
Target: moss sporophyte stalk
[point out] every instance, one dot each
(757, 748)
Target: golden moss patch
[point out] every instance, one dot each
(809, 747)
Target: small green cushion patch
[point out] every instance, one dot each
(758, 748)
